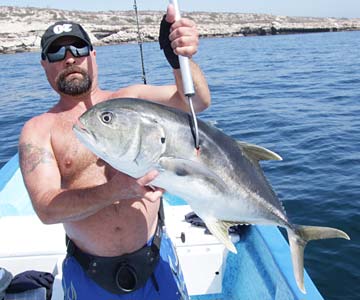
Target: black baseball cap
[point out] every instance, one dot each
(60, 29)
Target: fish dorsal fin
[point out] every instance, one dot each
(220, 229)
(256, 153)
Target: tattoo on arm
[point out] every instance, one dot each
(31, 156)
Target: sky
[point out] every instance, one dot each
(311, 8)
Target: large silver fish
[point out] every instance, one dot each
(222, 182)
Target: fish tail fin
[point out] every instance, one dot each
(298, 238)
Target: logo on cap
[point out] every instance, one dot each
(58, 29)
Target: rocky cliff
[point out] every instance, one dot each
(21, 27)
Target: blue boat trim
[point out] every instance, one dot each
(8, 170)
(174, 200)
(275, 241)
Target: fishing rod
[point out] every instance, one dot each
(186, 76)
(188, 84)
(143, 76)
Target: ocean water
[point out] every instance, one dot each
(297, 95)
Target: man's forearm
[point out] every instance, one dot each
(61, 206)
(202, 98)
(71, 205)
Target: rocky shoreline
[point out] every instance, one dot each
(21, 27)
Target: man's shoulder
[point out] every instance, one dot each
(38, 125)
(43, 119)
(131, 91)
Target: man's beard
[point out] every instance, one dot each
(73, 86)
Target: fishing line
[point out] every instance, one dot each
(140, 43)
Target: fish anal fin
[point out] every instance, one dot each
(258, 153)
(220, 229)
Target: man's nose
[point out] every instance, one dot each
(69, 58)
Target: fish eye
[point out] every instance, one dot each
(106, 117)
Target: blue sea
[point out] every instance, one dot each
(298, 95)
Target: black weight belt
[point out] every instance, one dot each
(121, 274)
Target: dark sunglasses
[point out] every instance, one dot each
(58, 53)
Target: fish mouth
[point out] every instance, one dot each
(88, 139)
(82, 133)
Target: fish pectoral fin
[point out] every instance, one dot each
(184, 167)
(257, 153)
(220, 229)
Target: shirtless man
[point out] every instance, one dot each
(106, 214)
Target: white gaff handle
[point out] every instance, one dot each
(184, 61)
